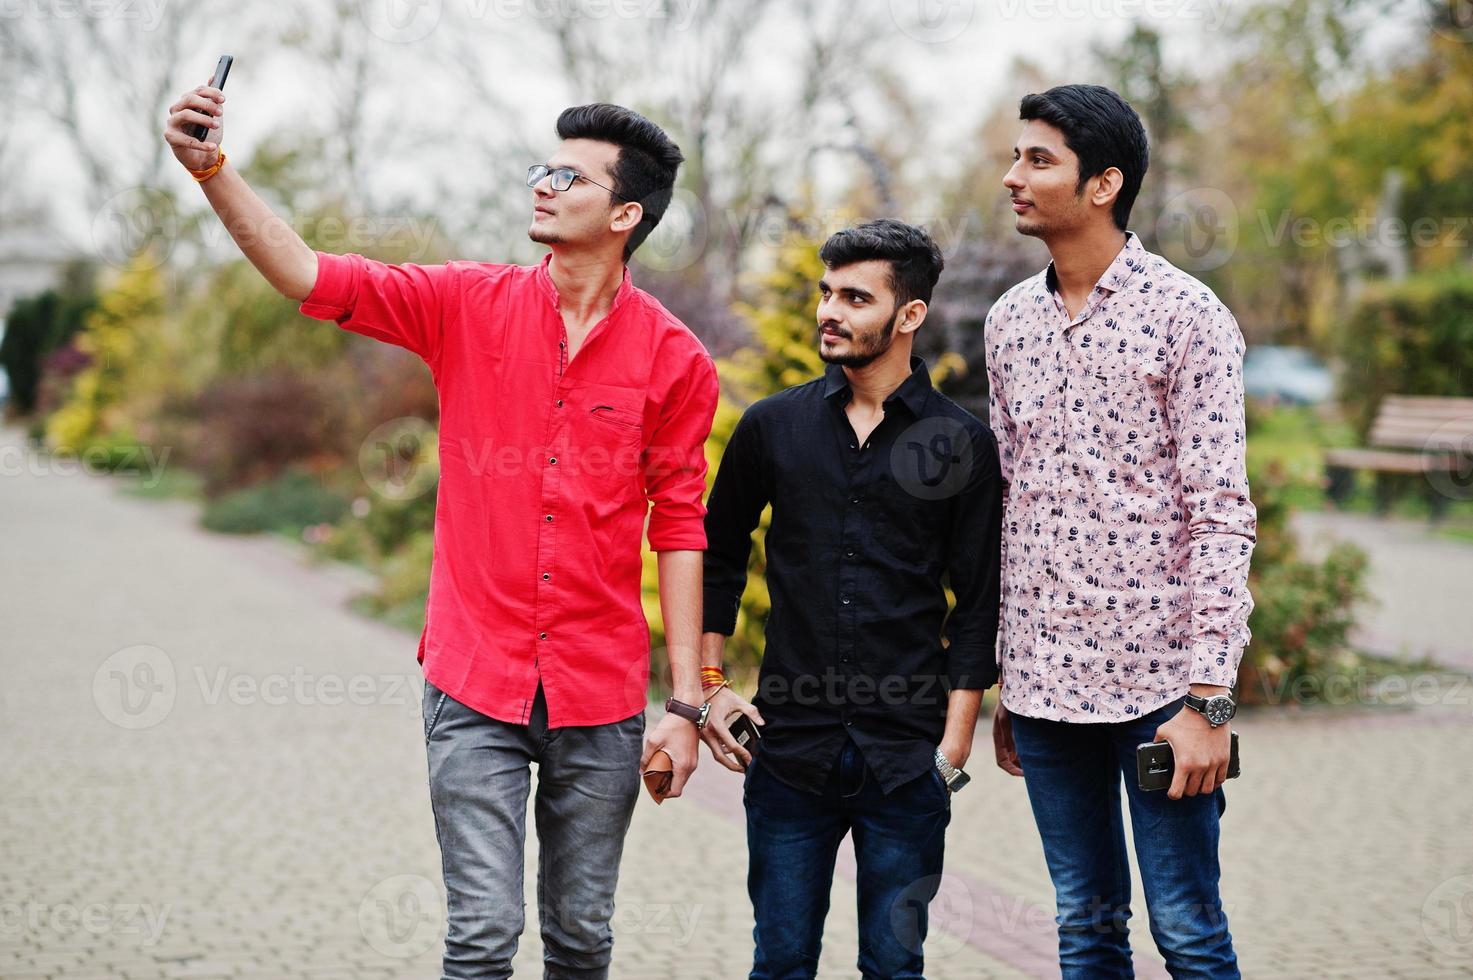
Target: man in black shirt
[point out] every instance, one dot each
(881, 489)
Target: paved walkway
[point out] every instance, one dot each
(212, 769)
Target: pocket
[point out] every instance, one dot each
(432, 707)
(605, 443)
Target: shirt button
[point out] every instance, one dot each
(849, 723)
(546, 576)
(549, 518)
(854, 500)
(552, 460)
(559, 403)
(849, 553)
(844, 600)
(541, 636)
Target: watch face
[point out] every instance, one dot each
(958, 781)
(1220, 710)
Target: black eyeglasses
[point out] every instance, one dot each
(562, 178)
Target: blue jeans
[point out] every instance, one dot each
(792, 840)
(480, 777)
(1073, 772)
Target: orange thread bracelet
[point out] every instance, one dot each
(208, 172)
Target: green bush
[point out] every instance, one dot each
(288, 503)
(1303, 610)
(1409, 338)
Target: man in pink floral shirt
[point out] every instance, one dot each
(1117, 401)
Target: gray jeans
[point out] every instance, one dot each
(587, 783)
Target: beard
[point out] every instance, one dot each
(543, 236)
(865, 350)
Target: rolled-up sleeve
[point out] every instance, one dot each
(400, 304)
(675, 462)
(1206, 417)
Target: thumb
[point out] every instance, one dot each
(1160, 735)
(750, 710)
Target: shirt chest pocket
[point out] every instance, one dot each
(605, 437)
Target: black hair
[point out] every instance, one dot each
(915, 261)
(1103, 131)
(648, 158)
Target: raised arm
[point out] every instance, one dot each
(271, 245)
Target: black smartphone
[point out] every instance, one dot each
(744, 730)
(1154, 764)
(222, 71)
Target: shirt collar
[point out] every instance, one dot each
(1130, 259)
(549, 288)
(912, 393)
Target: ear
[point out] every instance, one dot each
(1107, 187)
(627, 217)
(912, 315)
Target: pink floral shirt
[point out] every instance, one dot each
(1127, 528)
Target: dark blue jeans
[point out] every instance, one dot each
(792, 839)
(1073, 772)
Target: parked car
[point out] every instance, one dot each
(1288, 375)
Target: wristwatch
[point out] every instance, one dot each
(1218, 709)
(689, 711)
(954, 777)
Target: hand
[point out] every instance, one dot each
(956, 753)
(204, 106)
(1002, 742)
(1200, 753)
(677, 736)
(724, 747)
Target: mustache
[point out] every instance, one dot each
(835, 328)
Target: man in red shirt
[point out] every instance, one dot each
(572, 407)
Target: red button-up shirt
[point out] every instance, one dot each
(549, 466)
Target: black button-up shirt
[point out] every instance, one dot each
(861, 541)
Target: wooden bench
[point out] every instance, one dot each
(1432, 437)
